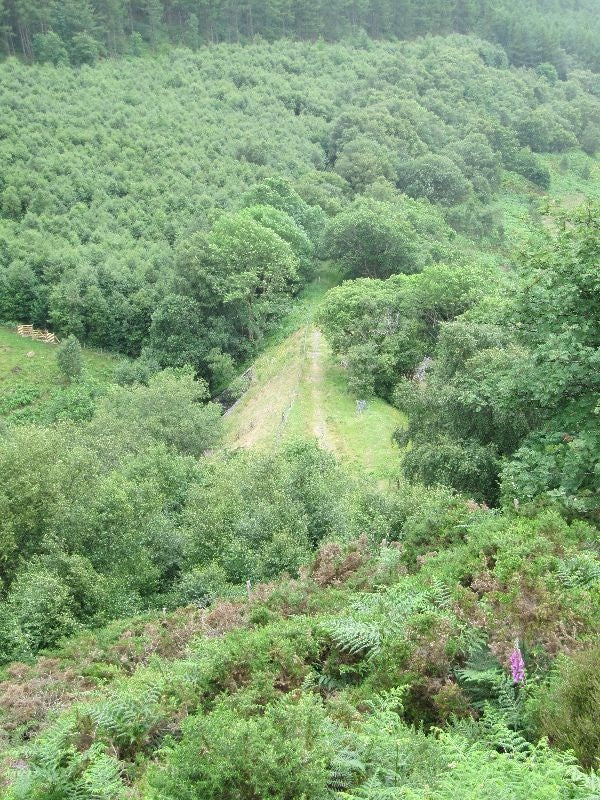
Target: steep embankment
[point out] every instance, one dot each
(299, 391)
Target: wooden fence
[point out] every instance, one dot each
(34, 333)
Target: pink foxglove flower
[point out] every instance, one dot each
(517, 665)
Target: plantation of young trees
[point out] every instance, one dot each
(185, 186)
(132, 193)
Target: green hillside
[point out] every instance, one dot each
(371, 231)
(30, 380)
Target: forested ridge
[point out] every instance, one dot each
(370, 231)
(533, 32)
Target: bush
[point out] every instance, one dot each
(466, 466)
(543, 132)
(129, 373)
(69, 359)
(363, 161)
(284, 753)
(76, 403)
(42, 607)
(169, 410)
(567, 709)
(590, 139)
(84, 49)
(49, 48)
(201, 586)
(525, 163)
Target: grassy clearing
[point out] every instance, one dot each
(326, 410)
(29, 374)
(299, 392)
(574, 178)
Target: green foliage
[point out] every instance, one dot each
(566, 708)
(544, 133)
(435, 177)
(384, 329)
(260, 515)
(538, 34)
(362, 161)
(372, 239)
(144, 215)
(317, 687)
(59, 768)
(400, 762)
(465, 465)
(530, 398)
(171, 209)
(525, 163)
(281, 223)
(84, 49)
(176, 333)
(168, 410)
(41, 606)
(283, 753)
(68, 358)
(49, 47)
(590, 139)
(121, 517)
(128, 373)
(278, 193)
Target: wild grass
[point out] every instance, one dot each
(29, 374)
(300, 391)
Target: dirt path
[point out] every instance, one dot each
(319, 423)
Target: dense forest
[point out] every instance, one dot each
(81, 31)
(129, 194)
(395, 207)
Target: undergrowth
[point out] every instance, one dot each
(372, 675)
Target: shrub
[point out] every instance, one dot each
(68, 358)
(284, 753)
(84, 49)
(467, 466)
(49, 48)
(525, 163)
(42, 606)
(590, 139)
(567, 708)
(129, 373)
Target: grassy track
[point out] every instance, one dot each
(299, 392)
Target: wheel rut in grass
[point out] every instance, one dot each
(319, 423)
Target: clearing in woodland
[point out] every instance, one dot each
(299, 391)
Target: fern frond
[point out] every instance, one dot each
(441, 595)
(346, 769)
(499, 735)
(353, 636)
(579, 572)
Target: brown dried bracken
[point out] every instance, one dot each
(332, 567)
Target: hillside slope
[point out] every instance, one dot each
(299, 391)
(30, 378)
